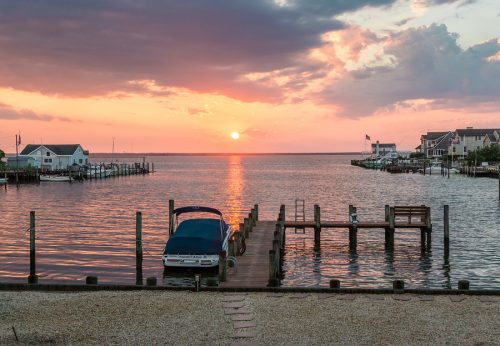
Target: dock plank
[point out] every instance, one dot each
(253, 265)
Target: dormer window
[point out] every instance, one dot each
(48, 153)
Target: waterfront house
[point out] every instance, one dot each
(381, 149)
(435, 144)
(491, 138)
(470, 139)
(55, 156)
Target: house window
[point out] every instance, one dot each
(48, 153)
(80, 161)
(454, 149)
(47, 160)
(465, 149)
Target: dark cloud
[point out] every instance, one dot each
(82, 48)
(9, 113)
(427, 64)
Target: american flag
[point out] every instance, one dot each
(367, 137)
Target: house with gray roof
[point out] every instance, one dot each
(492, 138)
(470, 139)
(435, 144)
(56, 156)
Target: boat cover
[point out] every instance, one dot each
(197, 237)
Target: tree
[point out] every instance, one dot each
(486, 154)
(417, 155)
(2, 155)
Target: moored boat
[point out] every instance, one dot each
(55, 178)
(196, 242)
(4, 181)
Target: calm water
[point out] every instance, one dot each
(89, 228)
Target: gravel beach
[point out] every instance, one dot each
(209, 318)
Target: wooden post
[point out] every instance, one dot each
(317, 226)
(152, 167)
(424, 167)
(392, 228)
(240, 234)
(170, 216)
(387, 215)
(151, 281)
(335, 283)
(246, 227)
(256, 208)
(446, 232)
(429, 227)
(32, 278)
(231, 246)
(253, 217)
(138, 248)
(463, 284)
(91, 280)
(222, 266)
(353, 231)
(272, 282)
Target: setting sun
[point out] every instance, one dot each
(235, 135)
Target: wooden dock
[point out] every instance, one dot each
(252, 269)
(261, 264)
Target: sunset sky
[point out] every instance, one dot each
(287, 75)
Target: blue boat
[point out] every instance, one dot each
(196, 242)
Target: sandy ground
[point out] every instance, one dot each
(186, 318)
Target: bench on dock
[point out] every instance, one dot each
(422, 213)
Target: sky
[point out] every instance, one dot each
(287, 75)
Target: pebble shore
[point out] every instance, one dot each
(211, 318)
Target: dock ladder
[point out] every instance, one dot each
(300, 213)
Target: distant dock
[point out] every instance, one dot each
(78, 173)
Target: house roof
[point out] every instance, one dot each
(474, 132)
(434, 135)
(419, 147)
(58, 149)
(491, 137)
(383, 145)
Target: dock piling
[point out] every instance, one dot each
(222, 266)
(91, 280)
(317, 226)
(353, 229)
(138, 248)
(32, 278)
(446, 232)
(463, 284)
(389, 241)
(170, 216)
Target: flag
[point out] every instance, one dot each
(367, 137)
(455, 140)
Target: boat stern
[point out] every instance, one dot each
(190, 261)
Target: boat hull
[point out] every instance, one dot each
(55, 179)
(196, 260)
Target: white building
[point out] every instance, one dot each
(56, 156)
(470, 139)
(382, 149)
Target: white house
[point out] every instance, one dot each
(470, 139)
(382, 149)
(56, 156)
